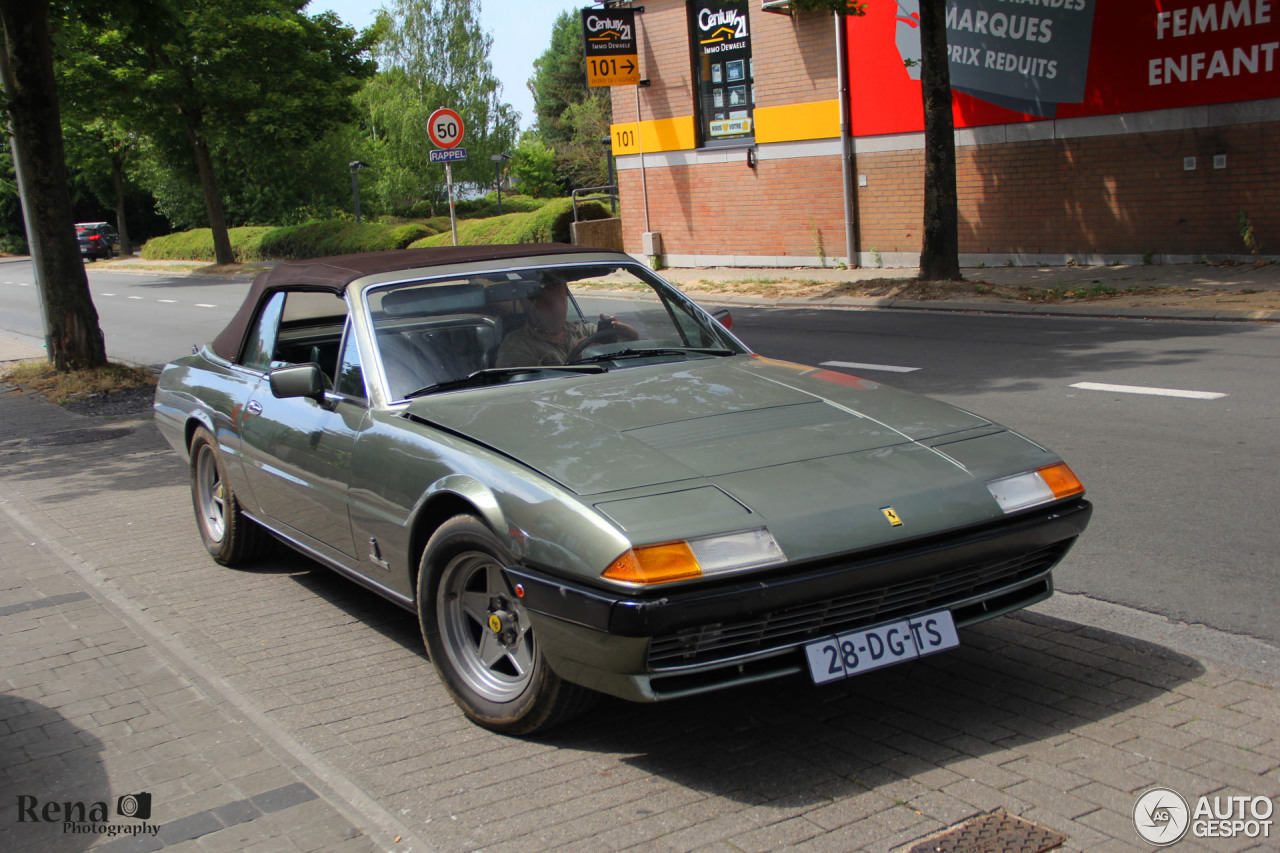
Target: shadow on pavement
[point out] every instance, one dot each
(1014, 682)
(48, 759)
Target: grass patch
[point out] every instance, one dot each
(548, 224)
(197, 245)
(44, 379)
(338, 237)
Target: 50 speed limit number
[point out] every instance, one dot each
(445, 128)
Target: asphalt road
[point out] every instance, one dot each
(1185, 488)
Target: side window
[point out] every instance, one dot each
(350, 374)
(262, 338)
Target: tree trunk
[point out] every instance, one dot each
(940, 254)
(26, 67)
(212, 198)
(117, 176)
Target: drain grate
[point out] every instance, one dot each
(77, 436)
(998, 832)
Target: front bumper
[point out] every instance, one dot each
(657, 644)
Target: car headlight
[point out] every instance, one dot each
(695, 558)
(1035, 487)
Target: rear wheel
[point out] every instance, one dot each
(229, 535)
(479, 635)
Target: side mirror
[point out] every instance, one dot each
(725, 318)
(298, 380)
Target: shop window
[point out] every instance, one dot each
(720, 42)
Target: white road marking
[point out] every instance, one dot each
(1145, 389)
(170, 301)
(888, 368)
(23, 283)
(205, 305)
(135, 297)
(106, 294)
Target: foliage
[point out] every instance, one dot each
(1250, 238)
(337, 237)
(840, 7)
(197, 245)
(433, 53)
(309, 240)
(550, 224)
(533, 166)
(571, 117)
(13, 232)
(483, 208)
(257, 84)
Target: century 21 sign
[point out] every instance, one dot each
(609, 45)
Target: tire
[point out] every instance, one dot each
(229, 535)
(499, 678)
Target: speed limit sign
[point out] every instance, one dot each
(445, 128)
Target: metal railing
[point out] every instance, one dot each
(585, 194)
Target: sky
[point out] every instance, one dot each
(521, 31)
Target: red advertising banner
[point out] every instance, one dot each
(1028, 60)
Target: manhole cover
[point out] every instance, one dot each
(77, 436)
(998, 832)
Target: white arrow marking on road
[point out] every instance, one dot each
(854, 365)
(1144, 389)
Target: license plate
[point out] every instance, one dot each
(861, 651)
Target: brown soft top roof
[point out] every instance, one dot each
(335, 273)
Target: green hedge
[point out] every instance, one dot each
(197, 245)
(548, 224)
(338, 237)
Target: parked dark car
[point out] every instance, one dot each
(580, 481)
(97, 239)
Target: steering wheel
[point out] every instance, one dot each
(613, 333)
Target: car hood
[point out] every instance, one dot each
(703, 419)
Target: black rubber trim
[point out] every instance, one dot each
(644, 616)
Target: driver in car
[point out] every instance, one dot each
(549, 336)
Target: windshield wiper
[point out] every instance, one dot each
(641, 353)
(484, 377)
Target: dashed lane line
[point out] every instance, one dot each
(854, 365)
(168, 301)
(1148, 390)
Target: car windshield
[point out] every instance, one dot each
(537, 323)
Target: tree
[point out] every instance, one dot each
(533, 166)
(431, 54)
(940, 252)
(571, 117)
(31, 101)
(247, 80)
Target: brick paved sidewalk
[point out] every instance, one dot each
(1051, 718)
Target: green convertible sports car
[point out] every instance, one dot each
(582, 482)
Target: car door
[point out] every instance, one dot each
(297, 451)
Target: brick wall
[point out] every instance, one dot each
(1106, 195)
(730, 209)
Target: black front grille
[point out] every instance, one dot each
(799, 623)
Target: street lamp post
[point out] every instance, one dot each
(356, 166)
(497, 175)
(608, 158)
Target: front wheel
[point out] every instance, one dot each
(229, 535)
(479, 636)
